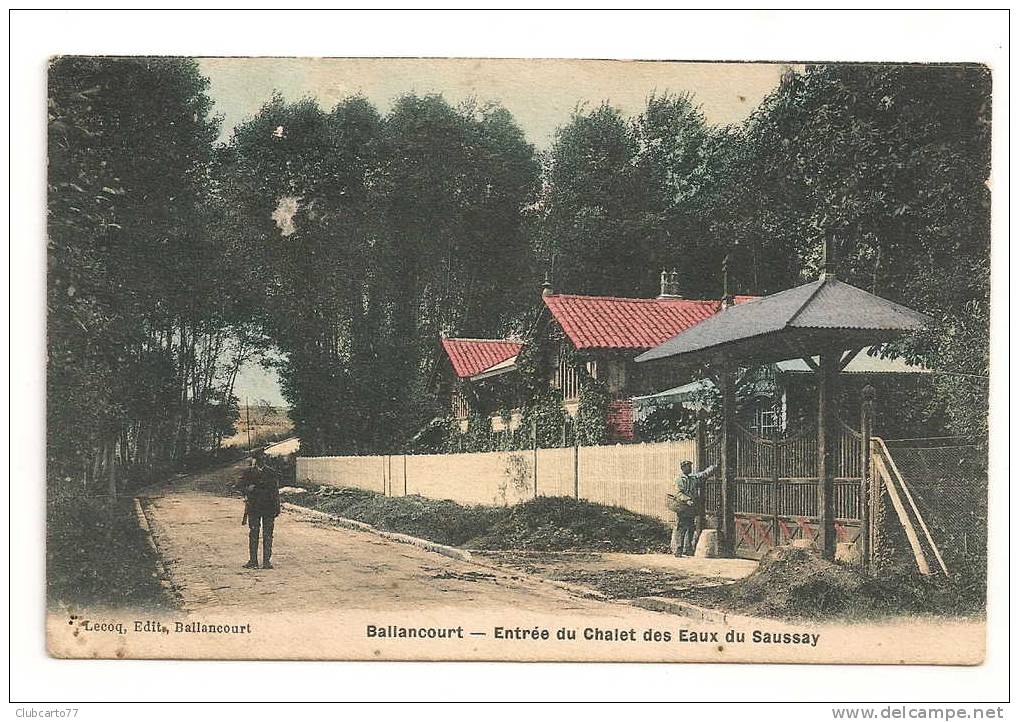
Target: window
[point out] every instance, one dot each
(461, 409)
(767, 420)
(567, 379)
(616, 376)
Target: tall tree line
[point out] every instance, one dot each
(889, 162)
(349, 239)
(137, 321)
(373, 235)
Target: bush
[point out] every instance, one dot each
(667, 423)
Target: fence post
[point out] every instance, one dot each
(405, 475)
(576, 468)
(534, 444)
(867, 395)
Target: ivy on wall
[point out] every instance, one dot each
(592, 410)
(479, 435)
(543, 418)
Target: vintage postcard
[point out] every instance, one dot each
(550, 360)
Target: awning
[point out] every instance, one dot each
(498, 369)
(692, 394)
(687, 393)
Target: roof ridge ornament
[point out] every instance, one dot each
(546, 286)
(728, 300)
(828, 259)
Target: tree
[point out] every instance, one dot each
(297, 183)
(452, 184)
(373, 235)
(621, 201)
(594, 235)
(891, 164)
(132, 340)
(679, 173)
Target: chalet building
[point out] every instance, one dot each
(596, 335)
(472, 361)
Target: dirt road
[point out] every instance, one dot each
(337, 593)
(197, 529)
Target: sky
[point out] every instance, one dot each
(541, 95)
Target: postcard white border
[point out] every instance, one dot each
(703, 35)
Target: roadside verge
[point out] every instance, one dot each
(666, 605)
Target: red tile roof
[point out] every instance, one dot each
(473, 355)
(607, 322)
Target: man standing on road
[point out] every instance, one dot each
(687, 503)
(261, 507)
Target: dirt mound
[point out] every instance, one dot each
(796, 582)
(444, 522)
(542, 524)
(792, 581)
(565, 524)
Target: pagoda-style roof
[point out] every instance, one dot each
(819, 317)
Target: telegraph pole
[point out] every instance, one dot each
(247, 420)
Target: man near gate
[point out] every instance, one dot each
(261, 507)
(688, 503)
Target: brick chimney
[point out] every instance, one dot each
(670, 284)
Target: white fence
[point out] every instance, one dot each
(633, 476)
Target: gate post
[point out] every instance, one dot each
(776, 463)
(700, 459)
(826, 454)
(726, 515)
(867, 395)
(700, 441)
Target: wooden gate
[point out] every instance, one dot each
(775, 495)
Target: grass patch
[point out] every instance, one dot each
(97, 555)
(542, 524)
